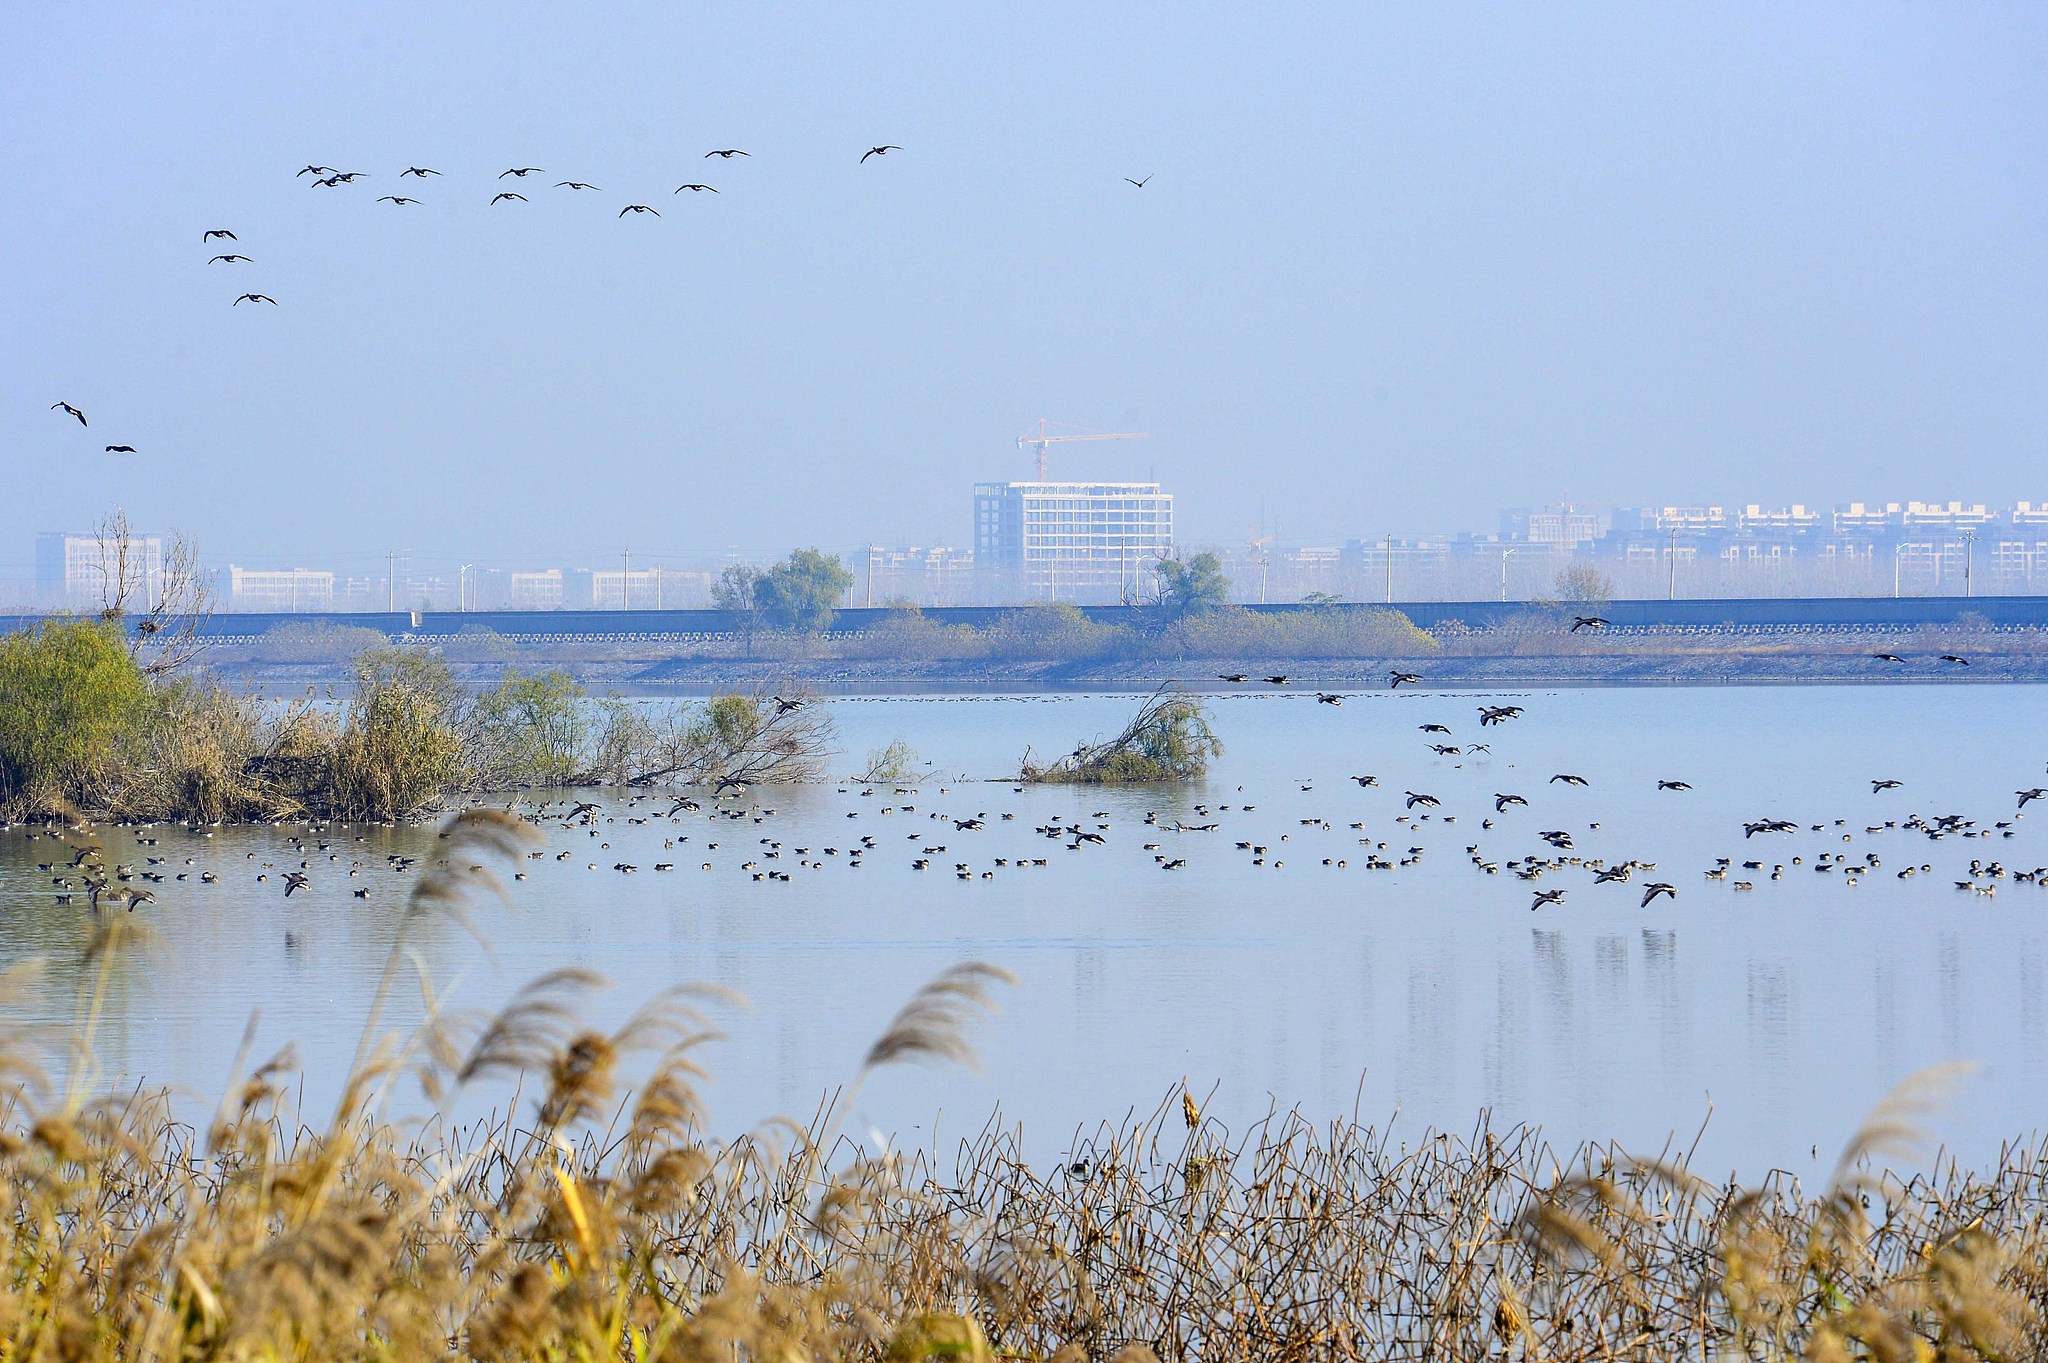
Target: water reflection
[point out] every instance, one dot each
(1430, 987)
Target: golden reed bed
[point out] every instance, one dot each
(599, 1222)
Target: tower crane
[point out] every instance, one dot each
(1043, 441)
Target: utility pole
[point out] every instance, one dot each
(391, 581)
(1671, 555)
(625, 579)
(462, 586)
(1390, 567)
(1969, 552)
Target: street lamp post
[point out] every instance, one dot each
(1505, 550)
(1969, 553)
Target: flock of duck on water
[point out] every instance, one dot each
(716, 824)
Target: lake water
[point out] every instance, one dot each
(1430, 990)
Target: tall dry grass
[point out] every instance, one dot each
(598, 1220)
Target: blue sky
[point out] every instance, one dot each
(1398, 266)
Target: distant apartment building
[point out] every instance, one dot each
(79, 571)
(936, 576)
(279, 589)
(642, 589)
(1557, 524)
(540, 591)
(1081, 542)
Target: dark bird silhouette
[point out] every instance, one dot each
(1139, 183)
(636, 208)
(1952, 658)
(521, 172)
(1280, 680)
(694, 189)
(421, 171)
(1655, 888)
(1674, 785)
(1498, 714)
(1876, 786)
(1428, 801)
(1888, 657)
(120, 449)
(1569, 779)
(295, 880)
(315, 170)
(1433, 728)
(783, 706)
(1580, 622)
(1366, 780)
(508, 194)
(574, 184)
(727, 154)
(328, 183)
(1232, 677)
(1325, 698)
(67, 407)
(231, 259)
(255, 298)
(217, 234)
(1446, 750)
(2037, 793)
(1501, 802)
(878, 151)
(1395, 679)
(395, 199)
(350, 177)
(1546, 897)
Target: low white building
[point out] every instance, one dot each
(280, 589)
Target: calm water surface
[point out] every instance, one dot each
(1430, 990)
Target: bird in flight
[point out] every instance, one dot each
(231, 259)
(349, 178)
(2037, 793)
(1569, 779)
(1428, 800)
(1394, 679)
(694, 189)
(1580, 622)
(1954, 658)
(422, 171)
(295, 880)
(395, 199)
(878, 151)
(1876, 786)
(521, 171)
(1433, 728)
(255, 298)
(574, 184)
(1888, 657)
(508, 194)
(1139, 183)
(315, 171)
(67, 407)
(1655, 888)
(1276, 680)
(727, 154)
(217, 234)
(1364, 781)
(1325, 698)
(636, 208)
(1547, 897)
(1501, 802)
(1674, 785)
(120, 449)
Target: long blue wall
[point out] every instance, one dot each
(1781, 612)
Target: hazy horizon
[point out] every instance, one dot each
(1395, 270)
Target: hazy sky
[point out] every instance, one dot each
(1398, 267)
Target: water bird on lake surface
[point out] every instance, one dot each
(1280, 680)
(1325, 698)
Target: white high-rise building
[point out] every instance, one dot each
(82, 572)
(1085, 542)
(280, 589)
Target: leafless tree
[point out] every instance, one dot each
(171, 596)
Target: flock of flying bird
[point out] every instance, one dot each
(328, 177)
(722, 823)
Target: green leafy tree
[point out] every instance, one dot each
(401, 747)
(801, 592)
(532, 728)
(737, 589)
(1193, 586)
(71, 694)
